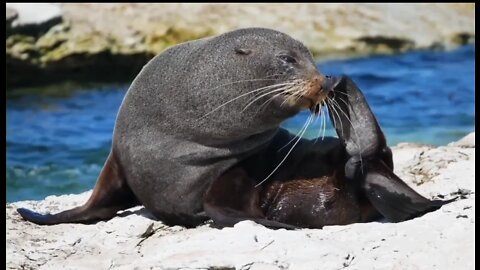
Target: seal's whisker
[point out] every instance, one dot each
(248, 80)
(298, 95)
(332, 108)
(264, 104)
(295, 94)
(344, 102)
(287, 91)
(319, 130)
(282, 90)
(299, 92)
(286, 156)
(294, 91)
(348, 105)
(344, 94)
(316, 117)
(290, 95)
(324, 121)
(346, 116)
(292, 83)
(242, 95)
(356, 140)
(342, 111)
(322, 117)
(266, 88)
(265, 94)
(353, 128)
(287, 99)
(296, 135)
(335, 110)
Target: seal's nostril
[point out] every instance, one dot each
(330, 94)
(330, 83)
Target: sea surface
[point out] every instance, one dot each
(57, 141)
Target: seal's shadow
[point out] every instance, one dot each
(139, 211)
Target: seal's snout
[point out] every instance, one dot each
(317, 84)
(315, 89)
(321, 85)
(330, 84)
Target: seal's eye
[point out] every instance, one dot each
(287, 58)
(242, 51)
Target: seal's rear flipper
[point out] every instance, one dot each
(392, 197)
(110, 195)
(37, 218)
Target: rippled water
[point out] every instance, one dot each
(57, 145)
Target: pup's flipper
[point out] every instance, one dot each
(392, 197)
(371, 163)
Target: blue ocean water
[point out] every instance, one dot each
(57, 145)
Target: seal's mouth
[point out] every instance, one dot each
(315, 109)
(314, 100)
(313, 95)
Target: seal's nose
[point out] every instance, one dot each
(330, 83)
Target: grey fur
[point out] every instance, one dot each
(168, 152)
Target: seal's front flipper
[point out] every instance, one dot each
(392, 197)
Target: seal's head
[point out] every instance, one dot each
(284, 70)
(257, 78)
(229, 87)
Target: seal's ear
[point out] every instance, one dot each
(242, 51)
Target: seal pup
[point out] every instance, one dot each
(200, 113)
(330, 182)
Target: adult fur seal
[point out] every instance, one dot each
(199, 128)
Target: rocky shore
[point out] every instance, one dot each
(111, 42)
(443, 239)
